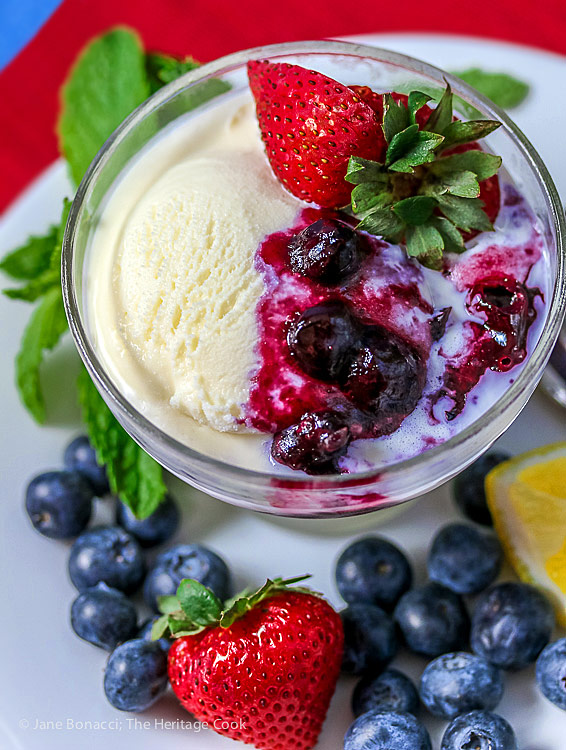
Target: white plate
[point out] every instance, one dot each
(49, 675)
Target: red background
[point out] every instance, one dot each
(29, 84)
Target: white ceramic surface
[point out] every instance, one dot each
(48, 675)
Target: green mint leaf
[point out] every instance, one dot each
(416, 210)
(133, 475)
(410, 148)
(395, 117)
(31, 259)
(505, 90)
(382, 222)
(159, 627)
(465, 213)
(425, 243)
(106, 84)
(369, 196)
(464, 132)
(452, 238)
(441, 117)
(37, 287)
(48, 267)
(364, 170)
(199, 603)
(417, 99)
(482, 164)
(44, 329)
(162, 69)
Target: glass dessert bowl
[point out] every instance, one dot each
(234, 410)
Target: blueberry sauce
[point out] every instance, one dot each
(344, 357)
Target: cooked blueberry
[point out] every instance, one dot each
(156, 528)
(390, 691)
(80, 456)
(551, 673)
(322, 339)
(479, 730)
(145, 633)
(379, 730)
(385, 376)
(314, 444)
(106, 555)
(374, 571)
(135, 675)
(469, 487)
(369, 639)
(433, 620)
(327, 250)
(464, 559)
(59, 503)
(104, 617)
(460, 682)
(438, 323)
(186, 561)
(511, 625)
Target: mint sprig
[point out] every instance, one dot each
(195, 607)
(111, 77)
(503, 89)
(418, 195)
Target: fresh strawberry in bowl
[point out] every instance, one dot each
(262, 668)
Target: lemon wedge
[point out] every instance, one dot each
(527, 499)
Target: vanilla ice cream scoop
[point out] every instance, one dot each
(185, 282)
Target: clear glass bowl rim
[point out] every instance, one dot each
(532, 369)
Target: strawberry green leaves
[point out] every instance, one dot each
(422, 194)
(195, 607)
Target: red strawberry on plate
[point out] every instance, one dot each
(263, 669)
(311, 125)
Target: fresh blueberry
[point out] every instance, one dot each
(479, 730)
(369, 639)
(511, 625)
(135, 675)
(156, 528)
(186, 561)
(59, 503)
(433, 620)
(145, 633)
(109, 555)
(328, 250)
(314, 444)
(381, 730)
(104, 617)
(469, 487)
(390, 691)
(458, 683)
(322, 339)
(551, 673)
(464, 559)
(80, 456)
(374, 571)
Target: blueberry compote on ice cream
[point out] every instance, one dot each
(260, 324)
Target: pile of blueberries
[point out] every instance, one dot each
(107, 564)
(510, 628)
